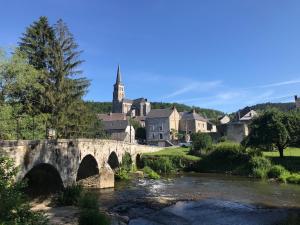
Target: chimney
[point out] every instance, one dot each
(193, 111)
(296, 97)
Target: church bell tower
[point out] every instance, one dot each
(118, 94)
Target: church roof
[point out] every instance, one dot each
(159, 113)
(119, 78)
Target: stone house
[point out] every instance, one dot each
(162, 126)
(239, 129)
(192, 122)
(119, 130)
(224, 119)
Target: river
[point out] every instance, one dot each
(209, 199)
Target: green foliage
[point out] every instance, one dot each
(70, 195)
(159, 164)
(200, 141)
(122, 174)
(99, 107)
(140, 133)
(150, 173)
(259, 166)
(14, 208)
(209, 113)
(274, 128)
(89, 211)
(126, 162)
(293, 178)
(276, 171)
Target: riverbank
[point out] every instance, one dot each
(193, 198)
(229, 158)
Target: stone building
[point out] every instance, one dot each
(136, 107)
(119, 130)
(162, 126)
(297, 101)
(237, 130)
(192, 122)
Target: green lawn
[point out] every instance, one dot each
(175, 151)
(290, 161)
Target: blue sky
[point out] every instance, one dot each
(209, 53)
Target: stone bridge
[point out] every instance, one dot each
(71, 160)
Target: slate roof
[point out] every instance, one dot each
(115, 125)
(111, 116)
(159, 113)
(126, 100)
(192, 116)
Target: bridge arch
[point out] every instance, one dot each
(42, 179)
(113, 160)
(88, 167)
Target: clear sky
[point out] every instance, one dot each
(221, 54)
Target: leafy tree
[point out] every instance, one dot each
(140, 133)
(14, 209)
(274, 128)
(200, 141)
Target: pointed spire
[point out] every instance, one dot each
(118, 80)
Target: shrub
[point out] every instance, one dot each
(89, 211)
(70, 195)
(201, 141)
(159, 164)
(14, 208)
(122, 174)
(126, 162)
(259, 166)
(276, 171)
(224, 157)
(150, 173)
(293, 178)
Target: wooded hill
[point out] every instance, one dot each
(105, 107)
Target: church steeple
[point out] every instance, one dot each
(118, 80)
(119, 93)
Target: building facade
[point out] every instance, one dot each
(162, 126)
(297, 101)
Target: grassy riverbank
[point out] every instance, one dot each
(229, 158)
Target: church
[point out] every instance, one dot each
(139, 107)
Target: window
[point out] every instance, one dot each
(153, 136)
(160, 136)
(160, 128)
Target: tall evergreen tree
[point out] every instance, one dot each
(37, 44)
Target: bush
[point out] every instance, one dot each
(293, 178)
(89, 211)
(122, 174)
(70, 195)
(224, 157)
(259, 166)
(201, 141)
(159, 164)
(126, 162)
(14, 207)
(276, 171)
(150, 173)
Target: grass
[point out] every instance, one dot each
(175, 151)
(291, 159)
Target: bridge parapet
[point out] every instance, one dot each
(66, 155)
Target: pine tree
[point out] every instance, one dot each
(37, 44)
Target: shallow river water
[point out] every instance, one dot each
(203, 199)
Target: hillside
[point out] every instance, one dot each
(263, 106)
(105, 107)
